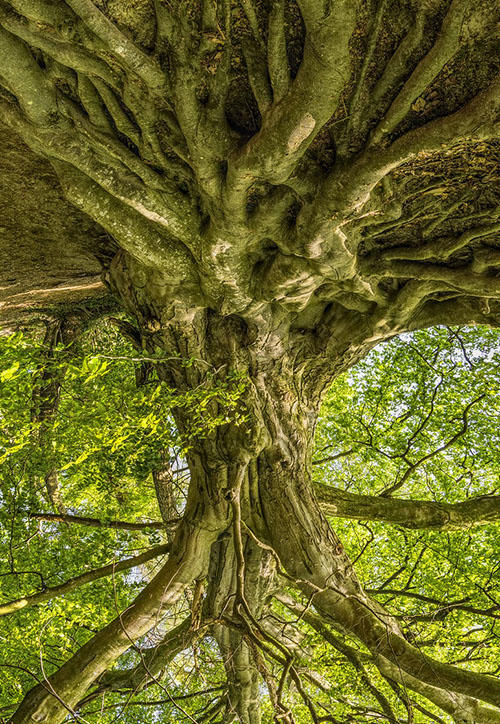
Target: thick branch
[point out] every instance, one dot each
(66, 53)
(26, 80)
(441, 52)
(277, 60)
(354, 656)
(301, 541)
(290, 126)
(55, 697)
(461, 279)
(408, 513)
(153, 661)
(463, 709)
(137, 233)
(348, 187)
(119, 44)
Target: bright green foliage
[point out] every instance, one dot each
(106, 438)
(403, 402)
(406, 400)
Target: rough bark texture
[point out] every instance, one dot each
(47, 248)
(283, 185)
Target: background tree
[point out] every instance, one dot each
(283, 186)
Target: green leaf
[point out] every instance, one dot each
(9, 373)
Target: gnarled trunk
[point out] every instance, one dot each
(268, 174)
(250, 493)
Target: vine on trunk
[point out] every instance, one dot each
(284, 185)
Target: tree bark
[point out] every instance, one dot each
(277, 250)
(243, 676)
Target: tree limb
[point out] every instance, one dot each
(26, 80)
(99, 522)
(88, 577)
(413, 514)
(61, 692)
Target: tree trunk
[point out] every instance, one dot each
(250, 488)
(267, 172)
(46, 396)
(243, 676)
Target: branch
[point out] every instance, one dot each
(53, 698)
(104, 188)
(26, 80)
(301, 542)
(66, 53)
(153, 661)
(463, 279)
(290, 126)
(445, 607)
(120, 45)
(134, 229)
(441, 52)
(379, 632)
(394, 72)
(478, 119)
(347, 189)
(277, 59)
(258, 75)
(465, 424)
(452, 703)
(357, 110)
(115, 110)
(462, 708)
(443, 248)
(462, 310)
(354, 656)
(160, 702)
(42, 12)
(99, 523)
(413, 514)
(81, 580)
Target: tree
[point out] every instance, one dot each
(283, 185)
(417, 416)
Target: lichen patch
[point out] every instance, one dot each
(301, 132)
